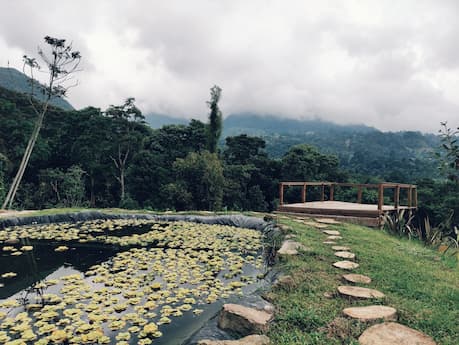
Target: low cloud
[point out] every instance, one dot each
(391, 65)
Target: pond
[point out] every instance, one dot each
(121, 281)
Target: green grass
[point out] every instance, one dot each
(420, 283)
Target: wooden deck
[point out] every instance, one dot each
(339, 208)
(367, 214)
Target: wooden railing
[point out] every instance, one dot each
(412, 198)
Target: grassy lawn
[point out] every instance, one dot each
(420, 283)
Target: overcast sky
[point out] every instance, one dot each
(393, 65)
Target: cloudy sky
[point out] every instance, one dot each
(389, 64)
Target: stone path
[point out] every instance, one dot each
(359, 292)
(345, 255)
(393, 333)
(357, 278)
(371, 313)
(346, 265)
(379, 334)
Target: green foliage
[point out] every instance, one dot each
(202, 176)
(306, 163)
(59, 188)
(215, 119)
(449, 158)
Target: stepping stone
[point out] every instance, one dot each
(372, 313)
(345, 255)
(290, 247)
(249, 340)
(329, 242)
(243, 320)
(327, 220)
(346, 265)
(357, 278)
(331, 232)
(340, 248)
(359, 292)
(334, 238)
(394, 333)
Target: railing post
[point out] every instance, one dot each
(380, 197)
(332, 192)
(303, 193)
(281, 193)
(359, 195)
(397, 197)
(416, 197)
(322, 194)
(410, 196)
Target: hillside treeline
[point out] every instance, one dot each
(112, 158)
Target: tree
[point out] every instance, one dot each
(243, 149)
(62, 61)
(125, 138)
(215, 119)
(449, 161)
(202, 174)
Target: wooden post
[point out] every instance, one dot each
(380, 197)
(359, 195)
(322, 193)
(281, 193)
(303, 194)
(397, 196)
(332, 192)
(410, 196)
(416, 197)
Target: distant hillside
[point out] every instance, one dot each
(159, 120)
(14, 80)
(255, 124)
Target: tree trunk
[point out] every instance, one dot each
(92, 201)
(25, 160)
(122, 184)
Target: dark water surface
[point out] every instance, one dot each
(44, 263)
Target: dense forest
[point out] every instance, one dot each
(107, 158)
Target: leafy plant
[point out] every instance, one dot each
(399, 223)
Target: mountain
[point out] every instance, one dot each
(159, 120)
(261, 125)
(14, 80)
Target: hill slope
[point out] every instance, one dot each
(14, 80)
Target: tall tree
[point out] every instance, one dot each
(62, 61)
(125, 139)
(215, 119)
(449, 161)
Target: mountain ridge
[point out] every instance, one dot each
(14, 80)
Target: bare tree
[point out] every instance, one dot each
(61, 62)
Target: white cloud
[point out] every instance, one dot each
(393, 65)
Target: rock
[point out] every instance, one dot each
(285, 282)
(327, 220)
(372, 313)
(340, 248)
(290, 247)
(249, 340)
(329, 242)
(394, 333)
(345, 255)
(290, 236)
(334, 238)
(284, 228)
(328, 294)
(359, 292)
(331, 232)
(243, 320)
(12, 241)
(357, 278)
(346, 265)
